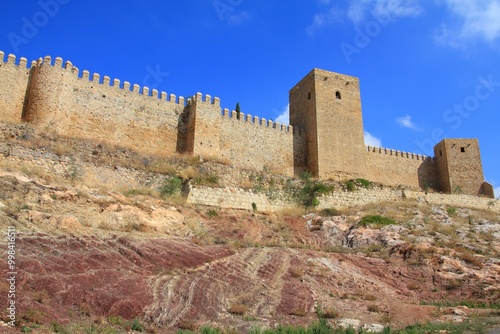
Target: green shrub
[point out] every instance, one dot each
(308, 195)
(254, 206)
(212, 178)
(171, 186)
(439, 327)
(212, 213)
(206, 180)
(351, 186)
(451, 210)
(137, 326)
(376, 221)
(365, 183)
(210, 330)
(112, 320)
(329, 212)
(58, 328)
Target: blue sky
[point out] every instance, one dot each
(427, 69)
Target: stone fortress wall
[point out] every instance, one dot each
(395, 168)
(55, 96)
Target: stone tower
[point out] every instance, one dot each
(459, 167)
(327, 106)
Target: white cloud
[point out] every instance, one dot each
(357, 11)
(398, 8)
(371, 140)
(473, 19)
(406, 122)
(321, 20)
(284, 117)
(361, 11)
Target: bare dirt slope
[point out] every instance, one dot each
(95, 257)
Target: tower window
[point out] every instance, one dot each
(462, 149)
(337, 95)
(309, 95)
(440, 153)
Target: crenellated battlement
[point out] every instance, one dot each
(401, 154)
(11, 60)
(228, 114)
(105, 81)
(256, 121)
(326, 138)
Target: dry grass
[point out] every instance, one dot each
(298, 312)
(222, 161)
(453, 284)
(162, 167)
(63, 148)
(295, 211)
(238, 309)
(369, 297)
(414, 286)
(189, 173)
(446, 230)
(32, 316)
(373, 308)
(31, 171)
(296, 272)
(40, 296)
(143, 191)
(469, 258)
(188, 325)
(330, 313)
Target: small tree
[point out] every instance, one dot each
(238, 111)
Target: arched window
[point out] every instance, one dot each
(337, 95)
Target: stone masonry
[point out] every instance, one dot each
(325, 136)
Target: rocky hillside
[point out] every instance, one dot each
(105, 261)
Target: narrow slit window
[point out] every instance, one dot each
(338, 95)
(462, 149)
(309, 95)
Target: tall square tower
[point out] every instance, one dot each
(459, 166)
(327, 106)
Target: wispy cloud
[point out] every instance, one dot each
(358, 12)
(406, 122)
(473, 19)
(371, 140)
(325, 19)
(284, 117)
(398, 8)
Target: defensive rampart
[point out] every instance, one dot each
(56, 97)
(246, 141)
(92, 107)
(14, 79)
(395, 168)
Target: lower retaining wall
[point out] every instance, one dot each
(238, 198)
(467, 201)
(235, 198)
